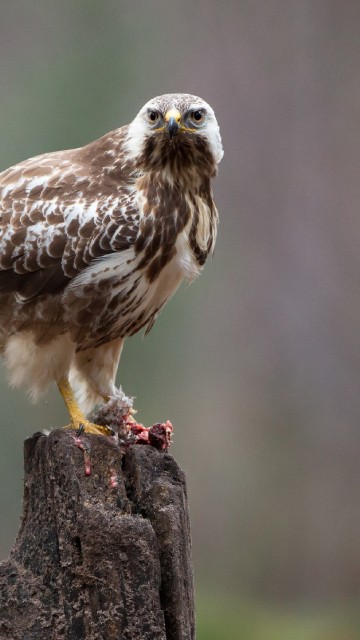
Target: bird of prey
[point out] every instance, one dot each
(95, 240)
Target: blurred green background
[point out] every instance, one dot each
(257, 364)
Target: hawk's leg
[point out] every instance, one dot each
(78, 420)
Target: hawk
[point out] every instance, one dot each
(95, 240)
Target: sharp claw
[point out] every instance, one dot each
(80, 430)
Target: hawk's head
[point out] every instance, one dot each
(175, 131)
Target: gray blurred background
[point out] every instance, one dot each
(257, 364)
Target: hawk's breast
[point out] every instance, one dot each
(124, 291)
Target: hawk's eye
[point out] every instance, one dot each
(197, 117)
(153, 116)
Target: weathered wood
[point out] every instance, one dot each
(99, 557)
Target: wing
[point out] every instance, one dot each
(60, 211)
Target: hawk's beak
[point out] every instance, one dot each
(172, 119)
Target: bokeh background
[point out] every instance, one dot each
(258, 362)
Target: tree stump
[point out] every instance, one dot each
(101, 556)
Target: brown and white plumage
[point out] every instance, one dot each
(95, 240)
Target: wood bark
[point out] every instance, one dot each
(99, 557)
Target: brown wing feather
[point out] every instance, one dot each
(61, 210)
(29, 285)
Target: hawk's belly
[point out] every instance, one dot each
(114, 297)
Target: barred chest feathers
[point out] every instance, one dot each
(177, 226)
(177, 231)
(182, 238)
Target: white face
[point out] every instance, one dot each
(192, 114)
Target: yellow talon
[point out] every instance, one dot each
(78, 420)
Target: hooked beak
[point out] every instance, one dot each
(172, 119)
